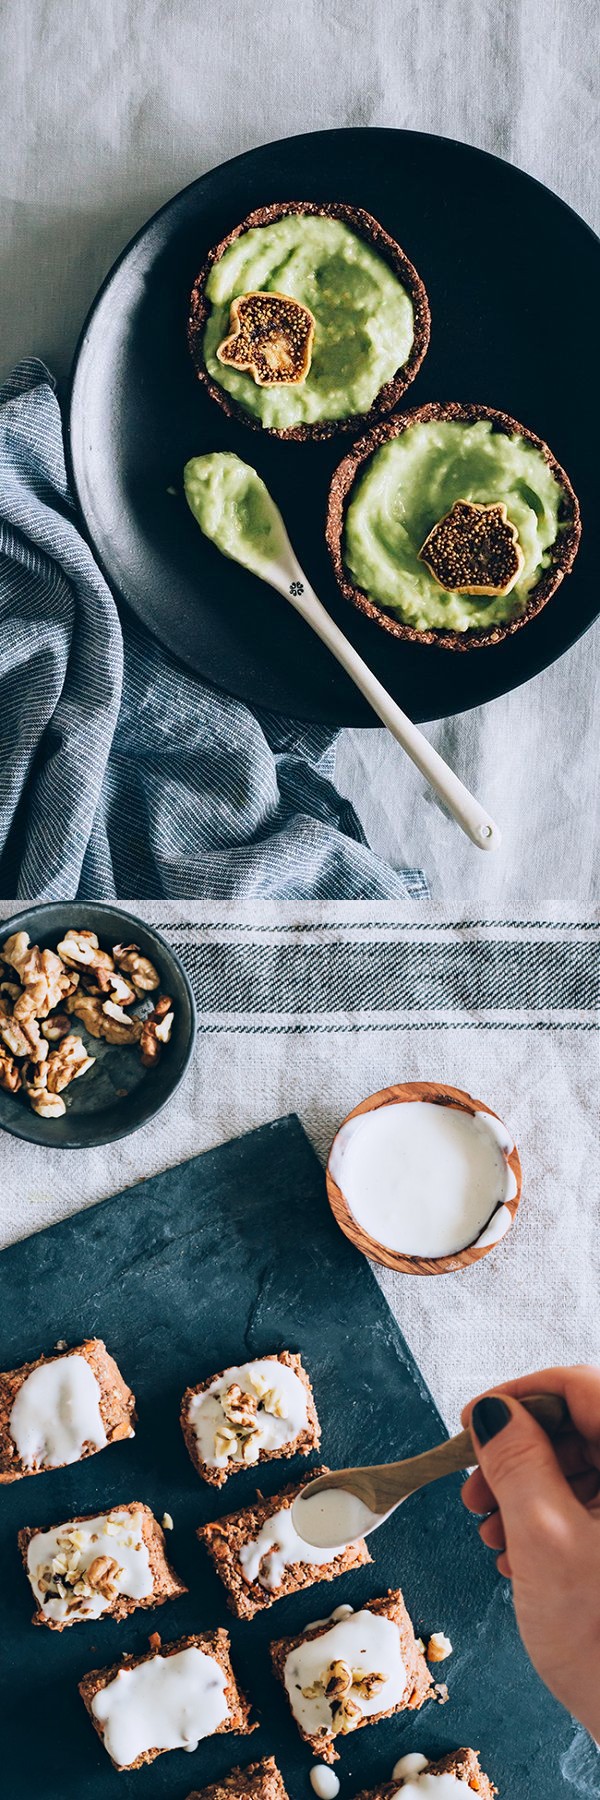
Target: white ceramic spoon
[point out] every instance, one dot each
(282, 571)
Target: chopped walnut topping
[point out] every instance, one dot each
(103, 1574)
(249, 1449)
(345, 1716)
(63, 1578)
(438, 1647)
(142, 972)
(344, 1688)
(225, 1441)
(239, 1408)
(241, 1437)
(269, 1397)
(338, 1680)
(368, 1684)
(273, 1403)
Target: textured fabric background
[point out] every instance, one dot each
(307, 1009)
(108, 108)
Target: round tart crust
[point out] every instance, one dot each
(364, 226)
(563, 552)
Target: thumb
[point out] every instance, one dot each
(519, 1464)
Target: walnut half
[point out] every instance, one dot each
(10, 1078)
(67, 1063)
(156, 1031)
(141, 971)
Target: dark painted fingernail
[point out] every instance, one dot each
(489, 1417)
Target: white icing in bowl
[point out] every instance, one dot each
(425, 1179)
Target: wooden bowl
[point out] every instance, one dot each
(438, 1095)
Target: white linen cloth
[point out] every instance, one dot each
(110, 107)
(308, 1009)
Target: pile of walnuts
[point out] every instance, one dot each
(42, 990)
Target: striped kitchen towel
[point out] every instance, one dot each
(120, 773)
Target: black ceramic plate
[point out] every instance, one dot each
(513, 277)
(118, 1094)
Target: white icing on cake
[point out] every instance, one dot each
(276, 1547)
(369, 1644)
(271, 1385)
(58, 1563)
(56, 1413)
(432, 1787)
(166, 1703)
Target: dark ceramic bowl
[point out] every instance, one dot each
(118, 1094)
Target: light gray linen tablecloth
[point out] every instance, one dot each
(308, 1008)
(109, 108)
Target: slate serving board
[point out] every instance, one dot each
(230, 1256)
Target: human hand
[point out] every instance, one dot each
(543, 1505)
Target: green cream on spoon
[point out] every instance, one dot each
(234, 509)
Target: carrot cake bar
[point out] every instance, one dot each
(108, 1562)
(60, 1409)
(166, 1700)
(339, 1677)
(249, 1414)
(259, 1781)
(418, 1779)
(260, 1557)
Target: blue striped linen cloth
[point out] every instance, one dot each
(121, 774)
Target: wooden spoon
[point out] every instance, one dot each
(373, 1493)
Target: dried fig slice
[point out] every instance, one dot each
(270, 336)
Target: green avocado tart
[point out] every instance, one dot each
(451, 525)
(307, 320)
